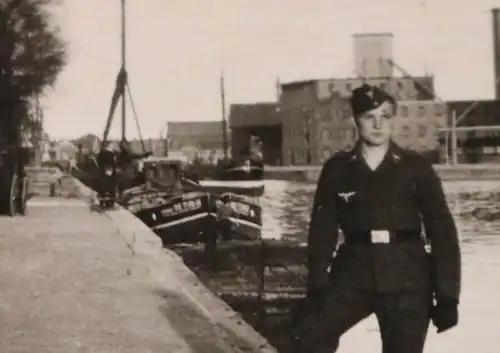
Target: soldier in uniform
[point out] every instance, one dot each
(384, 199)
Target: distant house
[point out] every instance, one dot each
(157, 146)
(42, 152)
(89, 143)
(64, 150)
(200, 134)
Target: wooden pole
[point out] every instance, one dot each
(453, 137)
(278, 90)
(224, 122)
(447, 143)
(124, 67)
(473, 128)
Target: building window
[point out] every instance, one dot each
(354, 133)
(422, 131)
(421, 111)
(302, 156)
(403, 110)
(440, 124)
(344, 113)
(405, 131)
(291, 156)
(439, 109)
(325, 135)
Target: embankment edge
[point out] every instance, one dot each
(169, 266)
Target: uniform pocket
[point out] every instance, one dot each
(418, 266)
(416, 252)
(353, 266)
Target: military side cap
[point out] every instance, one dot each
(367, 97)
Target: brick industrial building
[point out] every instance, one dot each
(308, 133)
(312, 119)
(264, 120)
(312, 134)
(203, 138)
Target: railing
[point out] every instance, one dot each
(261, 279)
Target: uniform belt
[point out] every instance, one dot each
(382, 236)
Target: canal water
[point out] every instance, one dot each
(286, 215)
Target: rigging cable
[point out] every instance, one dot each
(134, 111)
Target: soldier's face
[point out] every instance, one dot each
(375, 126)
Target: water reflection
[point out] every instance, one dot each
(287, 210)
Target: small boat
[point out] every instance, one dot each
(241, 187)
(176, 214)
(180, 210)
(243, 175)
(176, 219)
(246, 216)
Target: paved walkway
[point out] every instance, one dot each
(71, 281)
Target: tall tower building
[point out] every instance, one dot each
(372, 54)
(496, 50)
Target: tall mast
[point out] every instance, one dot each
(124, 71)
(121, 86)
(224, 122)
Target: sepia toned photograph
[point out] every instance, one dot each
(215, 176)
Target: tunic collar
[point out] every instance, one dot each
(393, 153)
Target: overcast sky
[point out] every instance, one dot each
(177, 49)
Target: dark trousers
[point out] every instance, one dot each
(226, 229)
(209, 239)
(403, 318)
(107, 185)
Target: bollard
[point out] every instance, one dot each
(261, 273)
(209, 239)
(210, 247)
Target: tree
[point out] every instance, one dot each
(32, 54)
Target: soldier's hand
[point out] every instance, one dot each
(311, 306)
(445, 314)
(316, 296)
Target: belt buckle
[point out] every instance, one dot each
(380, 236)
